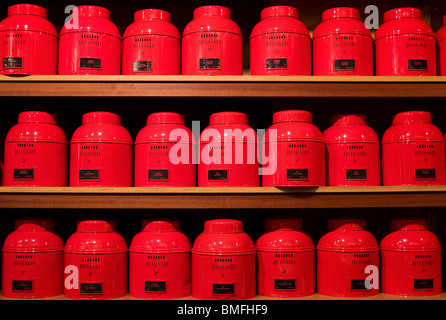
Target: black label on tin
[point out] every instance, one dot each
(91, 288)
(209, 63)
(283, 284)
(155, 286)
(223, 289)
(12, 62)
(23, 173)
(88, 174)
(358, 284)
(425, 173)
(276, 64)
(345, 64)
(22, 285)
(139, 66)
(417, 64)
(90, 63)
(356, 174)
(158, 174)
(297, 174)
(218, 175)
(423, 283)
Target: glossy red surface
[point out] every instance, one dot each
(413, 151)
(228, 155)
(36, 152)
(280, 43)
(343, 254)
(352, 152)
(99, 257)
(164, 152)
(212, 43)
(297, 152)
(90, 43)
(405, 45)
(151, 44)
(223, 262)
(32, 262)
(342, 45)
(411, 260)
(29, 41)
(101, 152)
(160, 263)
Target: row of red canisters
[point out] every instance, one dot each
(294, 152)
(212, 44)
(223, 263)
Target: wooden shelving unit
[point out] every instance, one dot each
(222, 198)
(244, 86)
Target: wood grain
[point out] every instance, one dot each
(221, 86)
(222, 198)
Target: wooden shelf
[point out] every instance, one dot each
(222, 198)
(316, 296)
(245, 86)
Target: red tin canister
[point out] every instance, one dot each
(346, 256)
(95, 259)
(413, 151)
(29, 41)
(151, 44)
(90, 43)
(32, 264)
(36, 152)
(405, 45)
(165, 152)
(228, 154)
(411, 260)
(352, 152)
(298, 152)
(342, 45)
(223, 262)
(160, 263)
(285, 260)
(212, 43)
(280, 43)
(101, 152)
(441, 49)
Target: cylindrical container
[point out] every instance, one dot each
(101, 152)
(228, 153)
(36, 152)
(151, 44)
(32, 265)
(342, 45)
(160, 263)
(293, 151)
(223, 262)
(212, 43)
(441, 49)
(95, 259)
(280, 43)
(28, 41)
(285, 260)
(165, 152)
(405, 45)
(90, 43)
(348, 260)
(411, 260)
(352, 152)
(413, 151)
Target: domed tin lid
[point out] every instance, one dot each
(95, 237)
(223, 237)
(160, 237)
(32, 237)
